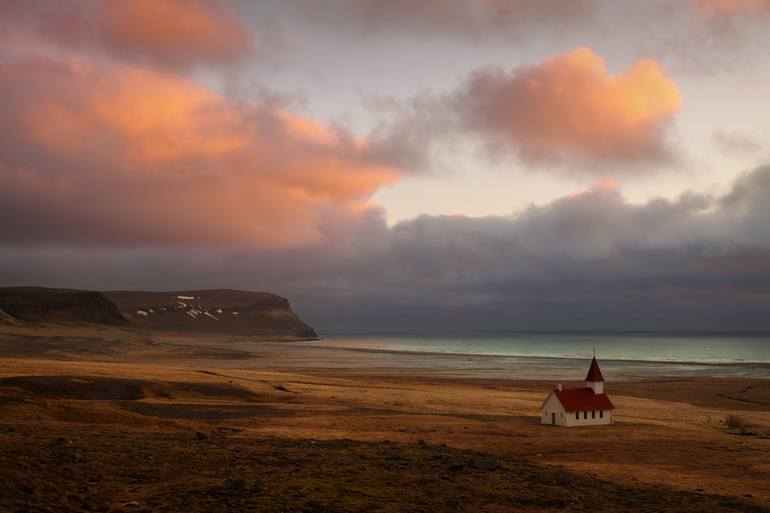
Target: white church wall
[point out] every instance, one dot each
(597, 386)
(552, 405)
(598, 418)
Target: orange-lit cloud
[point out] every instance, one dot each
(133, 156)
(724, 7)
(570, 106)
(603, 188)
(177, 33)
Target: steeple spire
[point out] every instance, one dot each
(594, 379)
(594, 373)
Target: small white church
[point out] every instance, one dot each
(586, 406)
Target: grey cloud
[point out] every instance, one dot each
(465, 18)
(591, 261)
(735, 143)
(417, 134)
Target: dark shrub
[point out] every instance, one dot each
(734, 421)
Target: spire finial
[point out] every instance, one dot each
(594, 351)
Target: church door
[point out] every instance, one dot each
(553, 418)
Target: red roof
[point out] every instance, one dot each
(594, 373)
(583, 399)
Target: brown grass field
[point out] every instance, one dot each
(114, 419)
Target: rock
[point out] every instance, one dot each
(11, 429)
(256, 488)
(200, 435)
(63, 441)
(132, 504)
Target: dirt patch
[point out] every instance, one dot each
(212, 389)
(12, 401)
(98, 388)
(78, 387)
(205, 412)
(222, 354)
(60, 347)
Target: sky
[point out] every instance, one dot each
(397, 166)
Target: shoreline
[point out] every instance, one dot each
(239, 351)
(753, 365)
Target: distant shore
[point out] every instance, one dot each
(241, 351)
(386, 361)
(762, 365)
(625, 354)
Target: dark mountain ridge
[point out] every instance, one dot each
(22, 305)
(216, 311)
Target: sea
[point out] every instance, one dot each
(621, 354)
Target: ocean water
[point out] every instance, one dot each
(700, 348)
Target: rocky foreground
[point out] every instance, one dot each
(72, 471)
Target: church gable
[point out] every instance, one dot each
(584, 406)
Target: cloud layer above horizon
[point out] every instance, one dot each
(147, 136)
(589, 260)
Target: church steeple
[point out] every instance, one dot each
(594, 378)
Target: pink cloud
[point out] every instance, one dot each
(177, 33)
(605, 187)
(570, 106)
(126, 155)
(727, 7)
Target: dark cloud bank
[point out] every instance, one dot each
(588, 261)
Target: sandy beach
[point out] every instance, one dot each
(88, 386)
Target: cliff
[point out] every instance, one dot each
(24, 305)
(238, 312)
(216, 311)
